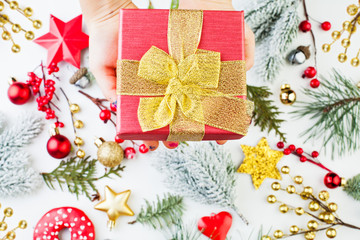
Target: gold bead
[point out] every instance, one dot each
(10, 235)
(278, 234)
(342, 57)
(276, 186)
(291, 189)
(310, 235)
(16, 28)
(3, 226)
(346, 25)
(326, 47)
(15, 48)
(298, 179)
(287, 96)
(283, 208)
(308, 190)
(314, 206)
(80, 153)
(333, 207)
(78, 124)
(329, 218)
(331, 233)
(74, 108)
(285, 170)
(78, 141)
(8, 212)
(312, 225)
(304, 195)
(28, 12)
(22, 224)
(37, 24)
(352, 9)
(294, 229)
(13, 5)
(299, 211)
(1, 6)
(324, 195)
(271, 199)
(336, 35)
(345, 42)
(29, 35)
(266, 238)
(6, 35)
(355, 62)
(352, 29)
(322, 216)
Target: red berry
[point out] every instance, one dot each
(143, 148)
(305, 26)
(332, 180)
(35, 89)
(280, 145)
(292, 147)
(287, 151)
(105, 115)
(326, 26)
(118, 139)
(51, 89)
(299, 151)
(314, 83)
(129, 152)
(303, 159)
(113, 107)
(314, 154)
(310, 72)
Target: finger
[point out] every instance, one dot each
(152, 145)
(249, 47)
(221, 142)
(106, 79)
(171, 145)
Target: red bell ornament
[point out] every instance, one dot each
(58, 146)
(19, 93)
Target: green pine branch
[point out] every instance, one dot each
(78, 175)
(352, 187)
(335, 108)
(162, 213)
(174, 4)
(266, 114)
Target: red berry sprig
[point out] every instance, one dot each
(305, 26)
(53, 68)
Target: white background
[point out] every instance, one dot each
(140, 176)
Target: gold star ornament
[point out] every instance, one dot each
(115, 205)
(260, 162)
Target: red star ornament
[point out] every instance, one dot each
(64, 41)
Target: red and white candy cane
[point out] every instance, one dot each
(79, 225)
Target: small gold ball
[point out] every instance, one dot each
(276, 186)
(28, 12)
(310, 235)
(355, 62)
(74, 108)
(37, 24)
(314, 206)
(352, 9)
(298, 179)
(29, 35)
(6, 35)
(15, 48)
(8, 212)
(3, 226)
(312, 225)
(345, 42)
(333, 207)
(285, 170)
(283, 208)
(346, 25)
(308, 190)
(78, 124)
(22, 224)
(278, 234)
(291, 189)
(329, 218)
(1, 6)
(299, 211)
(336, 35)
(322, 216)
(266, 238)
(331, 233)
(304, 195)
(13, 5)
(271, 199)
(78, 141)
(16, 28)
(80, 153)
(110, 154)
(10, 235)
(352, 29)
(326, 47)
(287, 96)
(324, 195)
(294, 229)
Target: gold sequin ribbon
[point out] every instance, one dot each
(188, 88)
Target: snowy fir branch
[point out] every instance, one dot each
(162, 213)
(352, 187)
(335, 107)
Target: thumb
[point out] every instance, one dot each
(106, 79)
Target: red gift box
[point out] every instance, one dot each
(222, 31)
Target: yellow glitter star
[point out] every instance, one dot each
(260, 162)
(115, 205)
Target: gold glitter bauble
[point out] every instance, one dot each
(266, 238)
(352, 9)
(8, 212)
(13, 5)
(78, 124)
(15, 48)
(29, 35)
(6, 35)
(299, 211)
(355, 62)
(10, 235)
(324, 195)
(22, 224)
(78, 141)
(326, 47)
(329, 218)
(283, 208)
(331, 233)
(80, 153)
(287, 96)
(110, 154)
(37, 24)
(3, 226)
(298, 179)
(276, 186)
(285, 170)
(336, 35)
(74, 108)
(314, 206)
(271, 199)
(345, 42)
(312, 225)
(278, 234)
(310, 235)
(28, 12)
(333, 207)
(294, 229)
(291, 189)
(16, 28)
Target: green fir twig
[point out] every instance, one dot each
(266, 114)
(352, 187)
(162, 213)
(79, 176)
(174, 4)
(182, 232)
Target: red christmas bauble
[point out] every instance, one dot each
(314, 83)
(58, 146)
(310, 72)
(19, 93)
(326, 26)
(129, 152)
(332, 180)
(305, 26)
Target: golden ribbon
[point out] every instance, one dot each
(193, 87)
